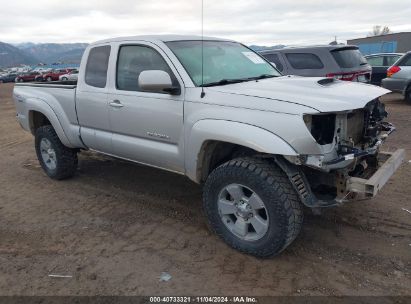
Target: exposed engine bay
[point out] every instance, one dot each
(350, 143)
(345, 136)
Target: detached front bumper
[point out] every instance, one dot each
(388, 164)
(346, 188)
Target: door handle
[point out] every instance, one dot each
(116, 104)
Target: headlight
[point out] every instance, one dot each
(308, 121)
(321, 126)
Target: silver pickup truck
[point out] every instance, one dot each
(262, 145)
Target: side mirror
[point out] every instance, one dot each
(157, 81)
(273, 64)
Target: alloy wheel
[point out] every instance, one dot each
(48, 154)
(243, 212)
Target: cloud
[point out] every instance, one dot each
(252, 22)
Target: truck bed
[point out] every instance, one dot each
(56, 100)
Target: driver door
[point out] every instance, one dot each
(147, 126)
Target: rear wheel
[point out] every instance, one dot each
(58, 161)
(252, 206)
(64, 79)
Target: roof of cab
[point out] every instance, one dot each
(158, 38)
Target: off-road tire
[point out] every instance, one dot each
(66, 158)
(273, 186)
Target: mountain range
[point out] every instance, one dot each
(33, 53)
(12, 56)
(48, 53)
(258, 48)
(52, 52)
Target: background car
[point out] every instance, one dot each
(399, 77)
(340, 62)
(53, 75)
(380, 63)
(71, 76)
(8, 78)
(31, 76)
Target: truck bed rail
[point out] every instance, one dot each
(53, 84)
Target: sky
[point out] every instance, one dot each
(260, 22)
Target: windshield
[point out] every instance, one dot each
(224, 62)
(349, 57)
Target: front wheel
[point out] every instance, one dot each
(252, 206)
(58, 161)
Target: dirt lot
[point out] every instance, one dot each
(117, 226)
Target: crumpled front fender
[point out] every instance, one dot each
(246, 135)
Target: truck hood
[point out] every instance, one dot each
(321, 94)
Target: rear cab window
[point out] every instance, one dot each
(97, 66)
(348, 57)
(301, 61)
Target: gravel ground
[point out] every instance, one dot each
(115, 227)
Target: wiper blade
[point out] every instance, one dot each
(263, 76)
(223, 82)
(230, 81)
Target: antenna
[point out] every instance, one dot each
(202, 49)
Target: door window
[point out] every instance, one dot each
(391, 60)
(97, 65)
(376, 61)
(405, 61)
(134, 59)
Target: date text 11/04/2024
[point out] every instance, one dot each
(205, 299)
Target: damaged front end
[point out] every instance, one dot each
(350, 164)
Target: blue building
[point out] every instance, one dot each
(389, 43)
